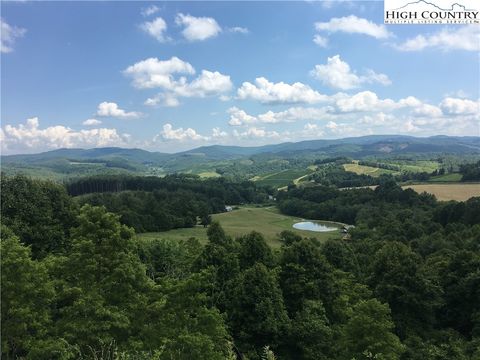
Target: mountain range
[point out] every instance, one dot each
(69, 162)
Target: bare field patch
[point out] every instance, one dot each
(445, 192)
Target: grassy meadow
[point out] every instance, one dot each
(267, 221)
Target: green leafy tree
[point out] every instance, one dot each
(105, 287)
(40, 213)
(310, 336)
(27, 294)
(182, 325)
(305, 274)
(257, 315)
(368, 334)
(253, 249)
(396, 278)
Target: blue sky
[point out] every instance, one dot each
(169, 76)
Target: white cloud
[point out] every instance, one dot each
(8, 35)
(30, 137)
(217, 133)
(268, 92)
(239, 30)
(111, 109)
(166, 100)
(91, 122)
(427, 110)
(464, 38)
(354, 25)
(153, 9)
(239, 117)
(197, 28)
(337, 74)
(377, 119)
(312, 130)
(206, 84)
(169, 133)
(365, 101)
(320, 40)
(156, 28)
(255, 133)
(154, 73)
(454, 106)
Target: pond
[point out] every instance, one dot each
(314, 226)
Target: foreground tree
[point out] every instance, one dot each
(368, 334)
(257, 314)
(27, 294)
(104, 287)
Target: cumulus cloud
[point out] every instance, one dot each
(91, 122)
(268, 92)
(155, 73)
(8, 35)
(152, 73)
(197, 28)
(320, 40)
(30, 137)
(354, 25)
(255, 133)
(148, 11)
(111, 109)
(217, 133)
(239, 117)
(455, 106)
(156, 28)
(464, 38)
(365, 101)
(337, 74)
(169, 133)
(166, 100)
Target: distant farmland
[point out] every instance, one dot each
(282, 178)
(444, 192)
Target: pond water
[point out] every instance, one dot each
(314, 226)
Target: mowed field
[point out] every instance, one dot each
(417, 166)
(267, 221)
(445, 192)
(282, 178)
(367, 170)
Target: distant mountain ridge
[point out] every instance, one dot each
(69, 162)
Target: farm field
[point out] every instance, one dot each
(453, 177)
(367, 170)
(267, 221)
(445, 192)
(282, 178)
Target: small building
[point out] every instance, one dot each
(228, 208)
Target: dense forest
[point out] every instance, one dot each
(77, 284)
(158, 204)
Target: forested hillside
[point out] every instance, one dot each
(78, 284)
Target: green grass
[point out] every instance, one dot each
(414, 166)
(267, 221)
(367, 170)
(419, 166)
(209, 174)
(453, 177)
(282, 178)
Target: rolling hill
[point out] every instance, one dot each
(64, 163)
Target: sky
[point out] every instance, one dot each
(171, 76)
